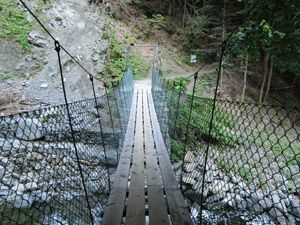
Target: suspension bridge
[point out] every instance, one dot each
(145, 174)
(150, 155)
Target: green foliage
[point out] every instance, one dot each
(177, 149)
(223, 124)
(197, 26)
(118, 59)
(158, 21)
(270, 29)
(178, 83)
(4, 76)
(140, 67)
(13, 23)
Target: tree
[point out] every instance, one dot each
(277, 34)
(244, 46)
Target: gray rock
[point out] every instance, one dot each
(4, 190)
(68, 184)
(278, 216)
(250, 203)
(81, 25)
(9, 181)
(41, 196)
(18, 188)
(230, 200)
(94, 187)
(95, 57)
(214, 198)
(37, 40)
(68, 196)
(19, 201)
(188, 180)
(295, 203)
(257, 208)
(189, 167)
(266, 203)
(242, 204)
(3, 161)
(292, 220)
(29, 129)
(31, 186)
(34, 156)
(281, 206)
(2, 172)
(45, 85)
(95, 176)
(257, 196)
(19, 66)
(177, 166)
(6, 146)
(111, 158)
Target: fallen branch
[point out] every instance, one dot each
(275, 89)
(124, 8)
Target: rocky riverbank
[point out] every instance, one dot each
(227, 189)
(40, 178)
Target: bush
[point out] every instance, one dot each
(13, 23)
(118, 59)
(175, 83)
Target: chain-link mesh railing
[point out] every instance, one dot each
(40, 179)
(249, 173)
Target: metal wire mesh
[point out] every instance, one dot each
(40, 181)
(251, 167)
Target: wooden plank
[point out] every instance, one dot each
(168, 174)
(178, 207)
(114, 209)
(136, 198)
(158, 213)
(136, 206)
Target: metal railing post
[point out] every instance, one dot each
(210, 129)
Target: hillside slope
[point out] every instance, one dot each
(30, 78)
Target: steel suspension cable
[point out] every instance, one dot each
(57, 48)
(210, 130)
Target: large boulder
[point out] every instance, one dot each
(29, 129)
(37, 40)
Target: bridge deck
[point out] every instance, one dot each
(145, 190)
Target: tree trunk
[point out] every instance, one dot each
(269, 81)
(245, 79)
(223, 37)
(184, 12)
(295, 79)
(261, 91)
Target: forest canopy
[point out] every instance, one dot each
(268, 36)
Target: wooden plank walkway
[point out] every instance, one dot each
(145, 190)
